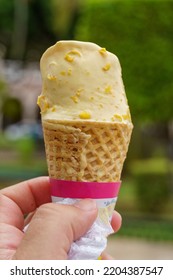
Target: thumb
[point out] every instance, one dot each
(54, 227)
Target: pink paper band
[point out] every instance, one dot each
(74, 189)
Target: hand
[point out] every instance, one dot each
(63, 224)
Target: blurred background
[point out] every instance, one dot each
(140, 33)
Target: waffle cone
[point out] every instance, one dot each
(85, 151)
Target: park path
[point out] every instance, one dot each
(122, 248)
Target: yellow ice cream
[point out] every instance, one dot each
(82, 81)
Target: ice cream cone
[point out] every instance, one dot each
(87, 128)
(85, 114)
(84, 151)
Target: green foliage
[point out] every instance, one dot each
(29, 20)
(6, 16)
(24, 148)
(140, 34)
(153, 229)
(11, 107)
(27, 28)
(5, 144)
(12, 111)
(151, 166)
(64, 14)
(3, 92)
(39, 19)
(152, 184)
(152, 192)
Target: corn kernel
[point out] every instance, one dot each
(91, 98)
(74, 98)
(117, 117)
(39, 99)
(69, 72)
(85, 115)
(44, 105)
(106, 67)
(108, 89)
(126, 117)
(69, 58)
(78, 92)
(53, 109)
(102, 51)
(51, 77)
(74, 52)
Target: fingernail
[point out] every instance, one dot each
(86, 204)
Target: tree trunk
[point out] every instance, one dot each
(19, 36)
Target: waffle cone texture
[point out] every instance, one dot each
(85, 151)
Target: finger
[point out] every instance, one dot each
(10, 213)
(116, 224)
(10, 238)
(105, 256)
(116, 221)
(30, 194)
(54, 227)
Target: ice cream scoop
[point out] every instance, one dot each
(82, 81)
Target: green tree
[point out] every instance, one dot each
(64, 16)
(28, 27)
(140, 34)
(20, 29)
(25, 28)
(4, 91)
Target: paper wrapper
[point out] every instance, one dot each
(93, 243)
